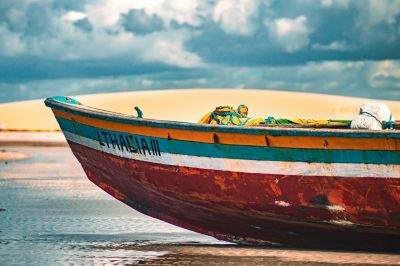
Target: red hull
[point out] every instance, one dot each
(255, 208)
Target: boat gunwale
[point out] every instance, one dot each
(92, 112)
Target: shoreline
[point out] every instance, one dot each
(32, 139)
(9, 156)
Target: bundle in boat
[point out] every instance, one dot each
(229, 116)
(372, 116)
(375, 116)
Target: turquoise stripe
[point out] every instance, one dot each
(114, 117)
(248, 152)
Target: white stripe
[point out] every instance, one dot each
(249, 166)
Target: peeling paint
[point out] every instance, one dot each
(191, 199)
(256, 227)
(282, 203)
(335, 208)
(341, 222)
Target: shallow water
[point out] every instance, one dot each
(50, 214)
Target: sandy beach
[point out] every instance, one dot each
(191, 105)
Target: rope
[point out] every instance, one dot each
(268, 120)
(240, 112)
(220, 117)
(371, 115)
(389, 124)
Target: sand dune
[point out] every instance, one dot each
(191, 105)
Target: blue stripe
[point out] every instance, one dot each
(115, 117)
(248, 152)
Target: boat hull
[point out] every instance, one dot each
(233, 206)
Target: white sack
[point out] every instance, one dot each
(371, 116)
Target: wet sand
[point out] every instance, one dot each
(51, 214)
(6, 156)
(27, 138)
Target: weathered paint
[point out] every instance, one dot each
(335, 189)
(154, 152)
(81, 110)
(311, 142)
(248, 208)
(218, 150)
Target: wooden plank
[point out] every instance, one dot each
(333, 126)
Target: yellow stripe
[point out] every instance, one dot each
(311, 142)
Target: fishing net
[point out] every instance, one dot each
(228, 115)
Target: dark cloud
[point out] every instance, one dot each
(351, 79)
(138, 22)
(70, 4)
(9, 14)
(34, 89)
(328, 25)
(13, 70)
(84, 25)
(38, 20)
(342, 47)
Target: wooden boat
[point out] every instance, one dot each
(300, 187)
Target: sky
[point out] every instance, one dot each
(70, 47)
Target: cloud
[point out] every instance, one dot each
(106, 13)
(11, 43)
(14, 70)
(367, 79)
(236, 16)
(297, 32)
(139, 22)
(84, 25)
(71, 35)
(333, 46)
(343, 47)
(169, 49)
(335, 3)
(386, 75)
(182, 12)
(292, 34)
(373, 12)
(73, 16)
(39, 20)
